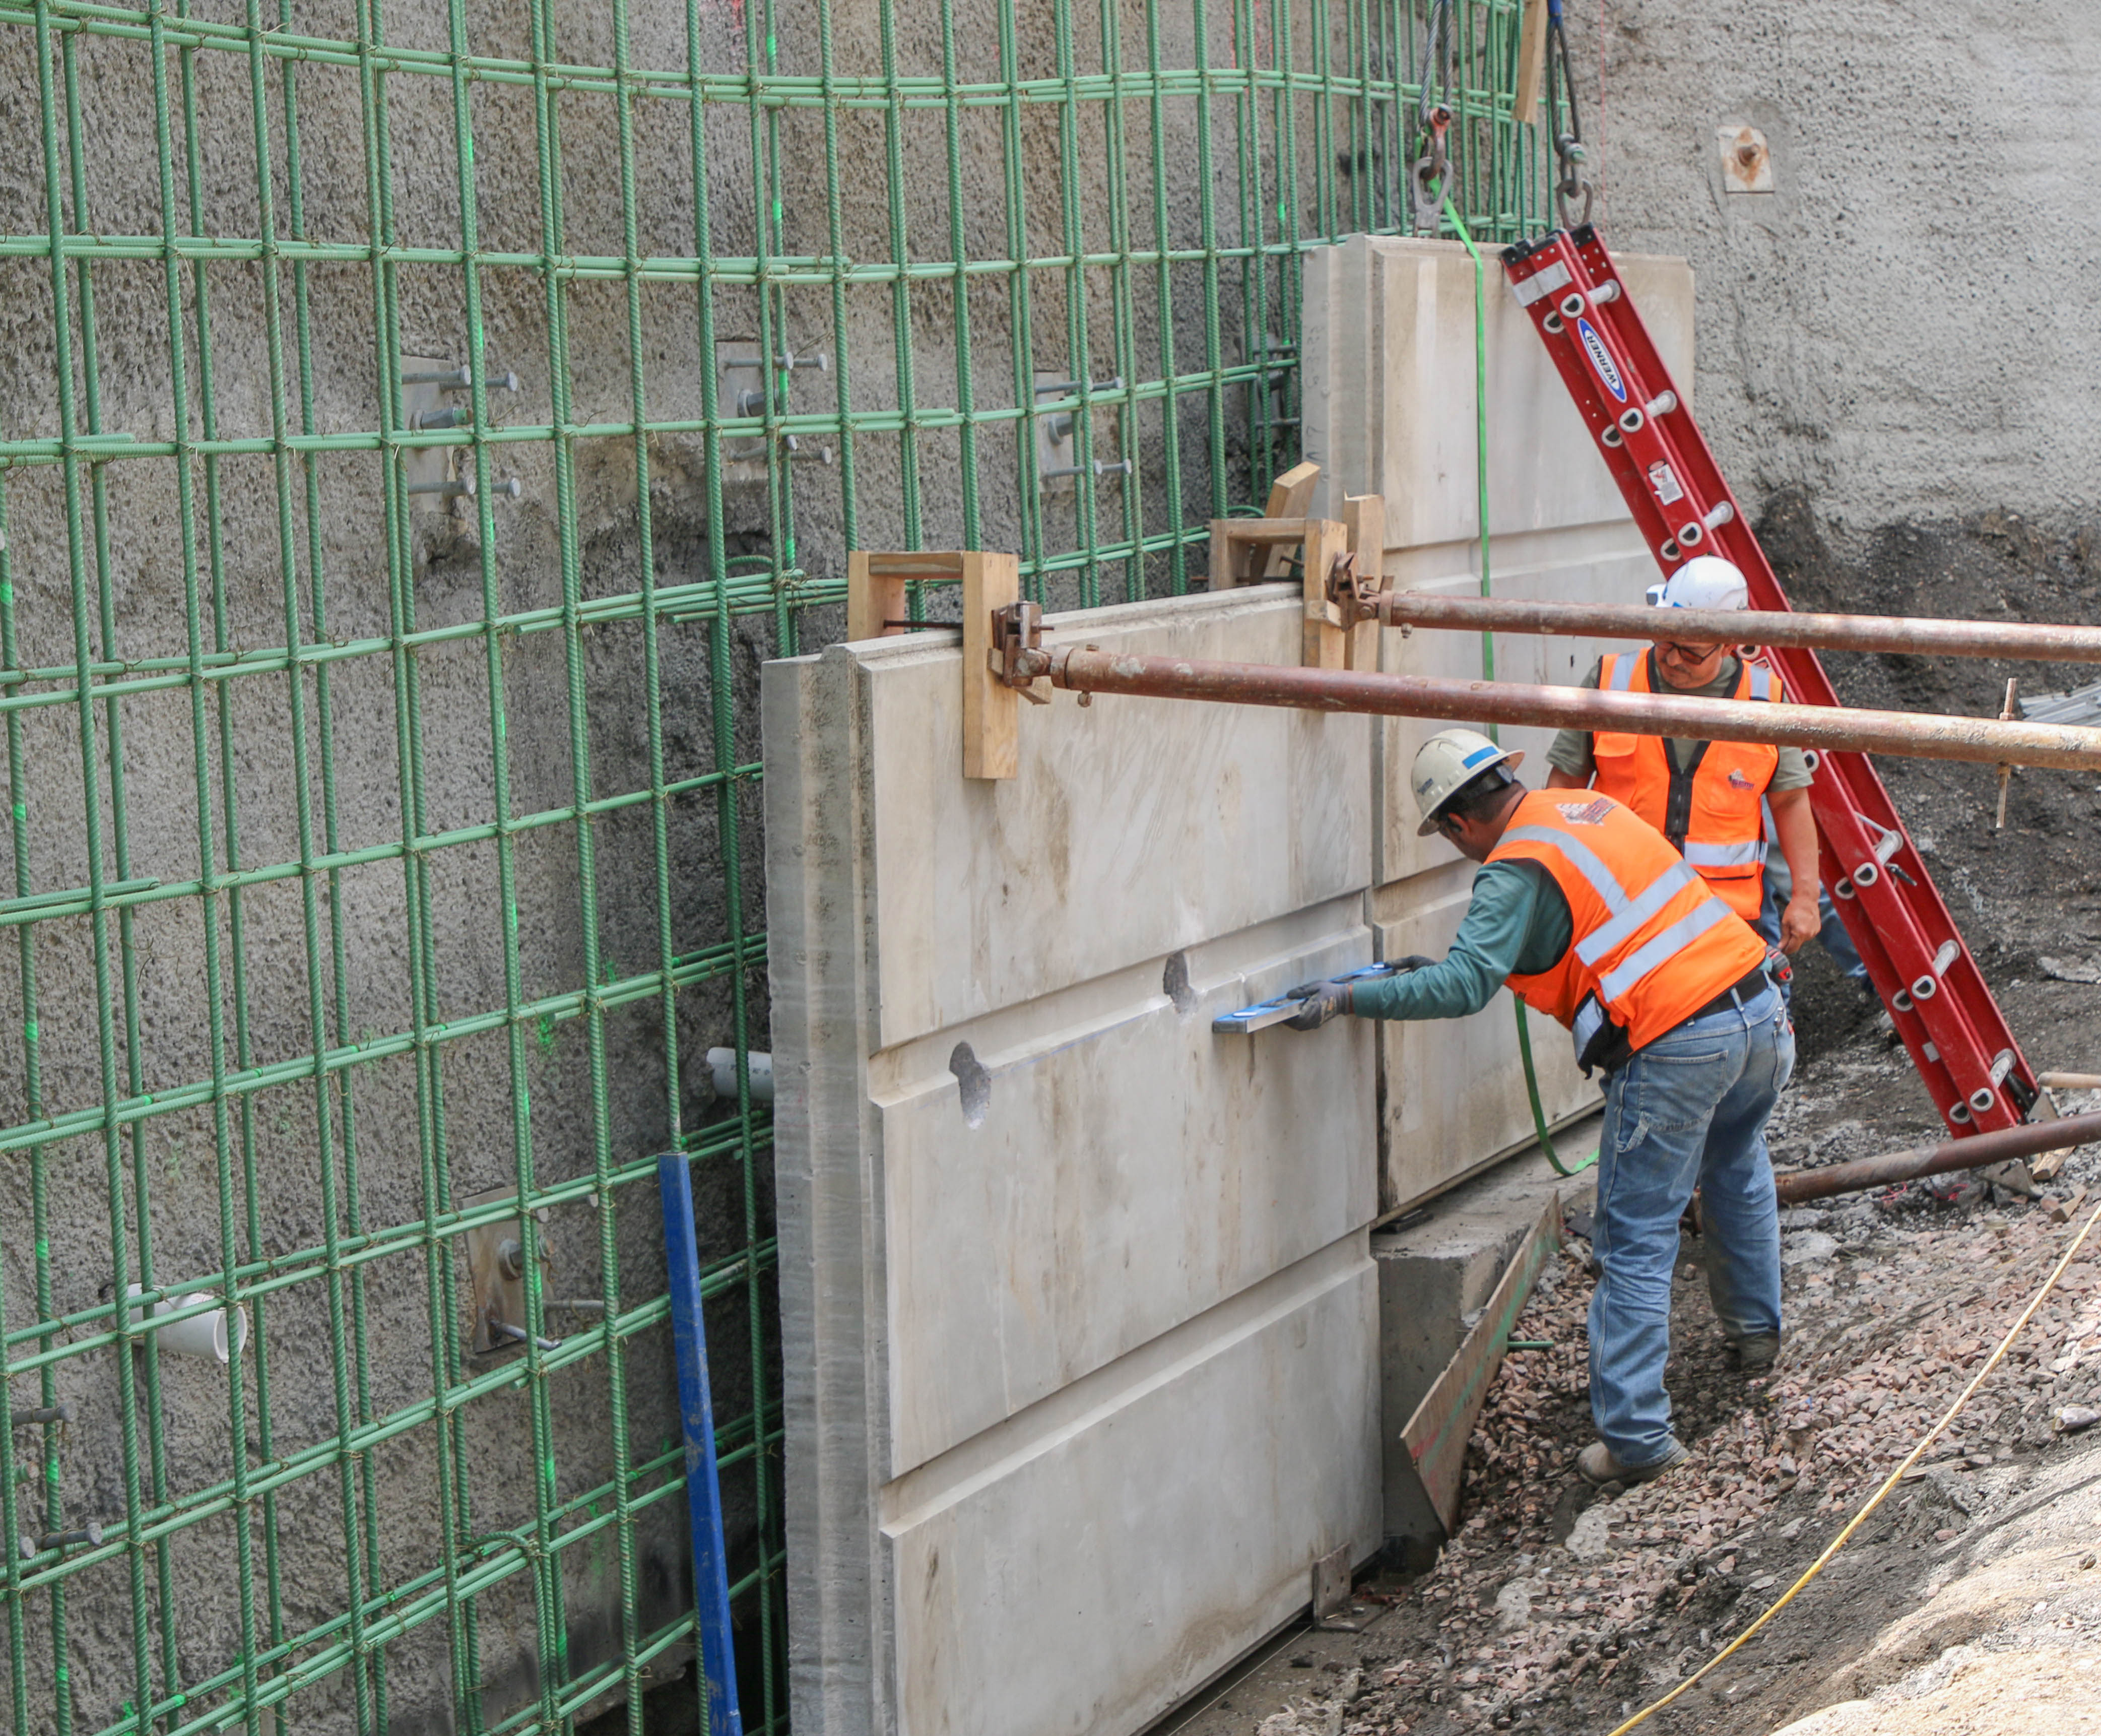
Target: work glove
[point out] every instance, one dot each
(1322, 1001)
(1318, 1002)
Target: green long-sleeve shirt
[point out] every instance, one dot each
(1518, 922)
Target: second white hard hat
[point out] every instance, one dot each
(1447, 762)
(1705, 581)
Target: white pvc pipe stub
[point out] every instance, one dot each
(721, 1069)
(209, 1336)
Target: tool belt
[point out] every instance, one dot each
(1603, 1043)
(1741, 992)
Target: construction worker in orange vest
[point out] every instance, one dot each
(1589, 913)
(1708, 798)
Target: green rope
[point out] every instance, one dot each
(1488, 642)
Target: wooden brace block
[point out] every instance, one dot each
(1239, 546)
(876, 586)
(1289, 497)
(991, 708)
(1326, 638)
(1531, 60)
(1364, 518)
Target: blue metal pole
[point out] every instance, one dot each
(696, 1418)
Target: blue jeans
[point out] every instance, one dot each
(1688, 1110)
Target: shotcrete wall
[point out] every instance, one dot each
(409, 848)
(1903, 328)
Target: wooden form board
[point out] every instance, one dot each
(1233, 561)
(1327, 640)
(877, 581)
(1531, 59)
(1363, 520)
(992, 720)
(1435, 1437)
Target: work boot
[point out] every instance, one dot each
(1755, 1355)
(1596, 1465)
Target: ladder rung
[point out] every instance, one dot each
(1950, 951)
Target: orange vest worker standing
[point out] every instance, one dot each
(1708, 798)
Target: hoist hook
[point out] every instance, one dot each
(1571, 183)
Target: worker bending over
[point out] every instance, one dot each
(1586, 912)
(1708, 798)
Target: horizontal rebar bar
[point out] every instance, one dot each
(1897, 634)
(1979, 1151)
(1985, 741)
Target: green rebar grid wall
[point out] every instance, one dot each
(381, 761)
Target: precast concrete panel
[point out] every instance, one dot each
(1390, 402)
(1065, 1276)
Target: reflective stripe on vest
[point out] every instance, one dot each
(1630, 911)
(1725, 855)
(1649, 939)
(1713, 809)
(1668, 945)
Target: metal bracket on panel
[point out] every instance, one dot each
(1057, 435)
(434, 391)
(746, 390)
(496, 1274)
(1331, 1592)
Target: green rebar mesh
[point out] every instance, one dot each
(385, 848)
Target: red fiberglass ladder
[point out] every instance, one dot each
(1956, 1035)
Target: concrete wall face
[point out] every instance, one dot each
(1041, 1228)
(1066, 1278)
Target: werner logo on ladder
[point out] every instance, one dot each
(1956, 1036)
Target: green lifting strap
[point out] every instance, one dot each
(1488, 642)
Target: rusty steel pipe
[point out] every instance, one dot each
(1887, 633)
(1985, 741)
(1979, 1151)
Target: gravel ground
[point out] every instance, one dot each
(1555, 1611)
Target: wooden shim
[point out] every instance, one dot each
(876, 586)
(1363, 518)
(1327, 640)
(1290, 496)
(1531, 60)
(991, 708)
(1436, 1435)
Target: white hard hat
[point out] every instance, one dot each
(1448, 761)
(1705, 581)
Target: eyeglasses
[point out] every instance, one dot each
(1688, 653)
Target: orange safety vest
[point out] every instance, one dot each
(1651, 944)
(1711, 811)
